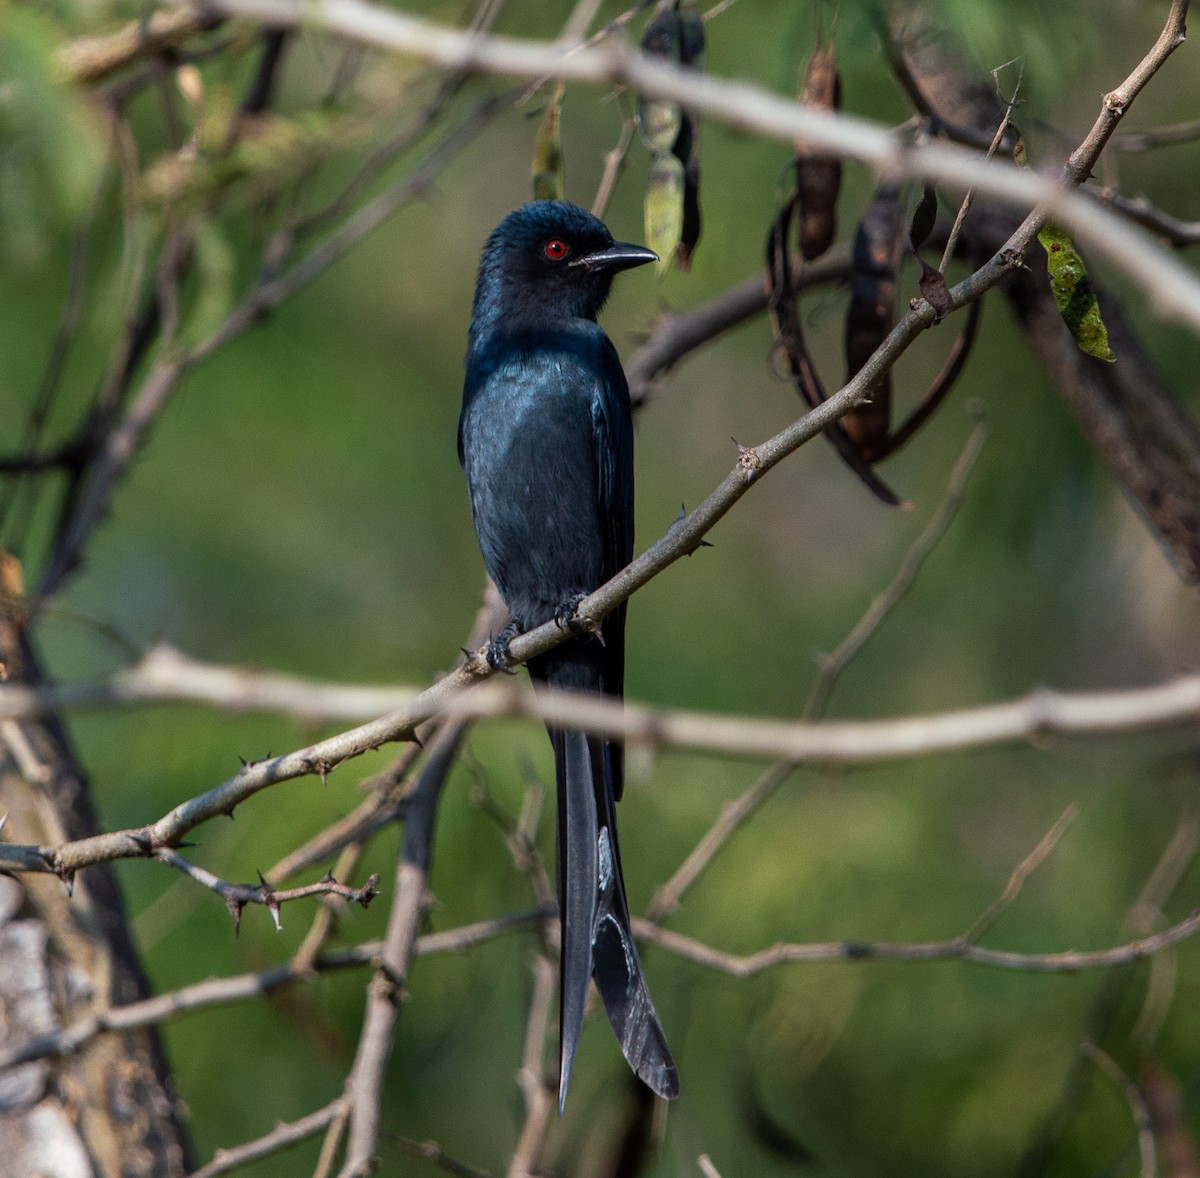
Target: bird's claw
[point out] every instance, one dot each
(497, 653)
(566, 617)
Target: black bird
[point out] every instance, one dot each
(546, 440)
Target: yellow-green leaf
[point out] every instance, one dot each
(547, 151)
(1073, 293)
(664, 208)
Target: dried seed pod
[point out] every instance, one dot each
(871, 314)
(789, 339)
(818, 174)
(687, 144)
(689, 235)
(664, 208)
(924, 218)
(658, 120)
(691, 34)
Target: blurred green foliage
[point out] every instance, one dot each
(300, 506)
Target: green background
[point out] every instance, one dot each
(300, 507)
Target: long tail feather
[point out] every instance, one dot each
(578, 871)
(597, 939)
(618, 972)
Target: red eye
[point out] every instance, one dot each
(555, 249)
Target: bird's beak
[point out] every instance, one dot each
(619, 256)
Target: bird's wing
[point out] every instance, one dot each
(612, 425)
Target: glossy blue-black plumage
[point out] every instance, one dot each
(546, 440)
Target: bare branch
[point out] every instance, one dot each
(956, 948)
(1175, 230)
(248, 986)
(1172, 289)
(283, 1136)
(431, 1151)
(1021, 873)
(92, 59)
(678, 333)
(1137, 1106)
(832, 665)
(537, 1088)
(237, 896)
(846, 742)
(1167, 136)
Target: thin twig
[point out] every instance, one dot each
(832, 665)
(237, 896)
(283, 1136)
(250, 986)
(1020, 873)
(955, 948)
(1167, 136)
(965, 207)
(431, 1151)
(537, 1089)
(1137, 1106)
(737, 812)
(614, 163)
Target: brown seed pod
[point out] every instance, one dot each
(789, 340)
(871, 314)
(818, 174)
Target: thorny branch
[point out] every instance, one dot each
(237, 896)
(1173, 290)
(243, 987)
(1041, 713)
(681, 540)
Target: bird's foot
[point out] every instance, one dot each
(497, 653)
(566, 617)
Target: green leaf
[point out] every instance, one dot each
(1073, 293)
(547, 151)
(664, 208)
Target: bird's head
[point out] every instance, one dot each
(550, 260)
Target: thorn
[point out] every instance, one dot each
(327, 878)
(235, 910)
(68, 879)
(273, 909)
(142, 842)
